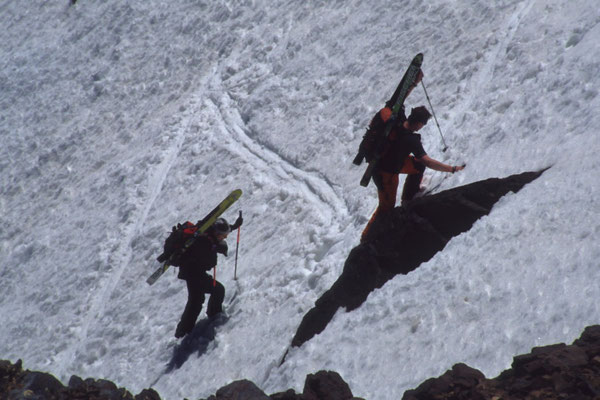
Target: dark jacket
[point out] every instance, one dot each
(200, 257)
(372, 142)
(400, 143)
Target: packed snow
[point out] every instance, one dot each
(120, 119)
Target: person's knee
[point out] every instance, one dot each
(219, 290)
(196, 299)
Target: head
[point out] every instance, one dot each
(220, 229)
(418, 117)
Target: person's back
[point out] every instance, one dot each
(198, 259)
(401, 143)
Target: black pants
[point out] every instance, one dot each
(198, 286)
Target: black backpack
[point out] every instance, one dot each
(175, 244)
(366, 149)
(371, 142)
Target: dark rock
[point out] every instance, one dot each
(95, 389)
(9, 375)
(590, 341)
(548, 359)
(17, 384)
(42, 384)
(461, 377)
(241, 390)
(316, 320)
(552, 372)
(465, 376)
(326, 385)
(287, 395)
(147, 394)
(76, 382)
(403, 240)
(555, 372)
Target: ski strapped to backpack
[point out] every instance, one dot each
(396, 102)
(366, 147)
(189, 232)
(180, 234)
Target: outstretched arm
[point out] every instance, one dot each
(439, 166)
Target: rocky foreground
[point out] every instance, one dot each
(552, 372)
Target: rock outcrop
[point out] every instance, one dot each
(19, 384)
(552, 372)
(324, 385)
(405, 238)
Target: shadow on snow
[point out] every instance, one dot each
(196, 341)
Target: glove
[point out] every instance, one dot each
(238, 222)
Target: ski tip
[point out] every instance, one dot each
(418, 60)
(236, 194)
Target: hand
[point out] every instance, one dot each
(239, 221)
(458, 168)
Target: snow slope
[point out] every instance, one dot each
(119, 119)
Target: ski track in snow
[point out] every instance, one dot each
(311, 185)
(70, 69)
(122, 256)
(484, 75)
(436, 181)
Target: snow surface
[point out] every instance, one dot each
(119, 119)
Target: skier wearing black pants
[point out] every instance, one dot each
(200, 258)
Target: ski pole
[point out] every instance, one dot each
(434, 117)
(237, 246)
